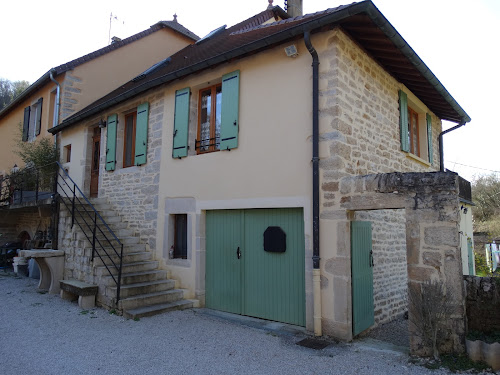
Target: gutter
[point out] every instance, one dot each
(58, 98)
(441, 151)
(366, 7)
(315, 185)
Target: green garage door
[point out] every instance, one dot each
(255, 263)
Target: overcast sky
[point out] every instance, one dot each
(457, 39)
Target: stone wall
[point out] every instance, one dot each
(133, 191)
(390, 274)
(29, 219)
(482, 303)
(359, 118)
(77, 257)
(70, 94)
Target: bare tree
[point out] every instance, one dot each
(430, 308)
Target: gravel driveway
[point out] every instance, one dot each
(42, 334)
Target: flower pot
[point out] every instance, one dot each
(474, 349)
(491, 354)
(479, 350)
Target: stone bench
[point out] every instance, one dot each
(51, 265)
(86, 293)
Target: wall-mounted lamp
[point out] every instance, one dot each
(464, 209)
(15, 169)
(102, 123)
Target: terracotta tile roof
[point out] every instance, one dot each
(362, 21)
(174, 25)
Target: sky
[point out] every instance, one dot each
(457, 39)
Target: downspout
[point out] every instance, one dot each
(58, 95)
(55, 203)
(315, 187)
(441, 152)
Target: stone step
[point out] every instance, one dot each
(123, 240)
(144, 311)
(131, 257)
(167, 296)
(127, 268)
(137, 289)
(135, 277)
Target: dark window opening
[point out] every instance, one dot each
(180, 240)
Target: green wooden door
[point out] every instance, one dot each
(224, 231)
(272, 284)
(471, 256)
(362, 276)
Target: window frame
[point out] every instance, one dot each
(411, 135)
(180, 253)
(133, 138)
(67, 153)
(212, 147)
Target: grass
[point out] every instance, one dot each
(455, 363)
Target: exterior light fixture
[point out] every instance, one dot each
(102, 123)
(291, 51)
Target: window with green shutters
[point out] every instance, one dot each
(415, 129)
(218, 117)
(135, 138)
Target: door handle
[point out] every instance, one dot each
(238, 253)
(371, 258)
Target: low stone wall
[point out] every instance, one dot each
(482, 303)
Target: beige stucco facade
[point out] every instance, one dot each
(84, 84)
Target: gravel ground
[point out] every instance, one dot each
(42, 334)
(395, 332)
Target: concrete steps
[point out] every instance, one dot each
(145, 311)
(146, 289)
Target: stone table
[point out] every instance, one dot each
(51, 264)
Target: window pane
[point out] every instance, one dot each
(180, 246)
(206, 111)
(414, 131)
(218, 105)
(129, 139)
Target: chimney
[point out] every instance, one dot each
(294, 8)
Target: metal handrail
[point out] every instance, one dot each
(93, 226)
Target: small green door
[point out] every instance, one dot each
(259, 283)
(362, 276)
(471, 256)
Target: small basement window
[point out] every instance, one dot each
(67, 153)
(180, 236)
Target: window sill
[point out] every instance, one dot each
(418, 159)
(178, 262)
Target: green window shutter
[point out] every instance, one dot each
(429, 137)
(181, 123)
(141, 134)
(229, 111)
(26, 123)
(111, 142)
(403, 121)
(38, 122)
